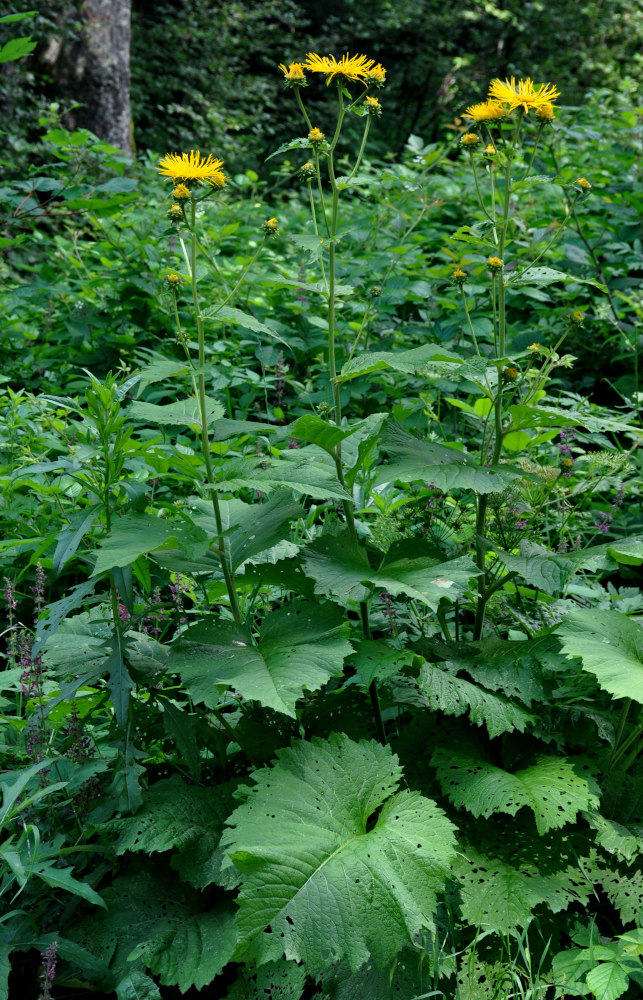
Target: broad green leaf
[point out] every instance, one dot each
(249, 528)
(548, 571)
(309, 478)
(300, 646)
(312, 428)
(550, 788)
(136, 985)
(499, 896)
(341, 571)
(629, 552)
(312, 870)
(80, 644)
(134, 535)
(409, 362)
(313, 245)
(279, 980)
(160, 369)
(607, 981)
(153, 917)
(414, 460)
(47, 627)
(176, 815)
(183, 413)
(536, 276)
(455, 695)
(338, 566)
(611, 645)
(407, 977)
(615, 838)
(247, 320)
(16, 48)
(624, 890)
(375, 659)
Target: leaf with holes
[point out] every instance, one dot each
(333, 859)
(550, 788)
(455, 695)
(500, 896)
(273, 981)
(624, 890)
(611, 645)
(300, 646)
(175, 815)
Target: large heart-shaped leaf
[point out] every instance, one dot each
(300, 646)
(332, 859)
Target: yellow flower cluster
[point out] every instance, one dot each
(347, 68)
(508, 96)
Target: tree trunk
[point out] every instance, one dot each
(94, 70)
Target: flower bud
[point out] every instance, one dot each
(181, 192)
(372, 106)
(174, 281)
(459, 276)
(583, 184)
(270, 227)
(470, 139)
(307, 171)
(175, 213)
(495, 264)
(316, 135)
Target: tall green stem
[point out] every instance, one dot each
(337, 406)
(205, 439)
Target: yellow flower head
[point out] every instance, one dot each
(583, 183)
(307, 170)
(577, 317)
(372, 106)
(294, 75)
(174, 280)
(469, 139)
(193, 167)
(376, 75)
(490, 150)
(488, 111)
(546, 112)
(270, 227)
(495, 264)
(459, 276)
(181, 192)
(523, 94)
(510, 373)
(175, 213)
(316, 135)
(534, 347)
(347, 68)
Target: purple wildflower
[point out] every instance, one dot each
(47, 971)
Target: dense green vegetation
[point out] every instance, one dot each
(323, 534)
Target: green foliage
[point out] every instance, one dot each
(323, 648)
(329, 883)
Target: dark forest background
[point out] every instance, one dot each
(204, 73)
